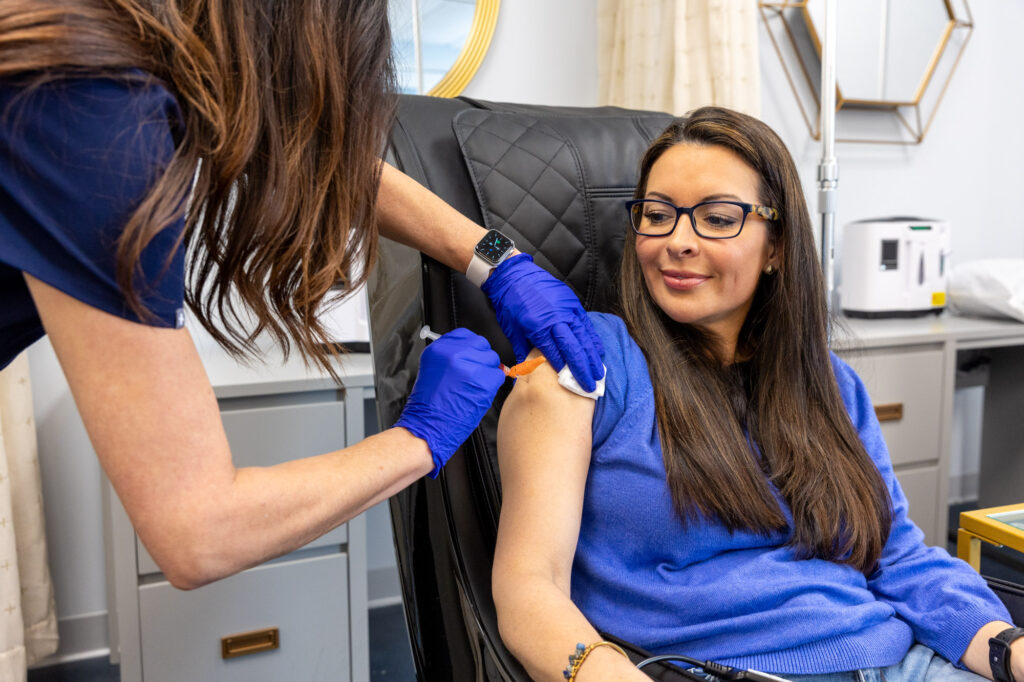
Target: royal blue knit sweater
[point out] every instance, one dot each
(742, 598)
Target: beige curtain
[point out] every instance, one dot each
(677, 55)
(28, 616)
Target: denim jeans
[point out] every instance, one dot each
(921, 664)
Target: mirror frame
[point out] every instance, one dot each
(485, 18)
(778, 17)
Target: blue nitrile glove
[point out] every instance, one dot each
(459, 376)
(536, 310)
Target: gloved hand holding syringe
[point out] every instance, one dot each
(518, 370)
(565, 377)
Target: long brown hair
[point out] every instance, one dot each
(793, 413)
(286, 106)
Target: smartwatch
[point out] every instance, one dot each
(999, 654)
(488, 253)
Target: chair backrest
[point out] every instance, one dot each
(1012, 596)
(553, 179)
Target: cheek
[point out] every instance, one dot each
(646, 254)
(740, 274)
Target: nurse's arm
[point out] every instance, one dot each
(415, 216)
(154, 422)
(544, 439)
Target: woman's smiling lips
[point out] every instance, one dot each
(682, 280)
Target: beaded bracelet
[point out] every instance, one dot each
(577, 657)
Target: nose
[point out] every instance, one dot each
(683, 241)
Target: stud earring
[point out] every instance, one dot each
(769, 269)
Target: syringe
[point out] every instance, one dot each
(565, 377)
(514, 371)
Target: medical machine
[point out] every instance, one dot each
(894, 267)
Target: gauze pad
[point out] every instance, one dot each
(568, 382)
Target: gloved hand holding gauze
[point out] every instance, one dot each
(458, 379)
(536, 310)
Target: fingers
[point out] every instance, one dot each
(584, 330)
(580, 346)
(459, 375)
(575, 354)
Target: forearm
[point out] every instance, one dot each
(414, 216)
(977, 655)
(541, 627)
(261, 512)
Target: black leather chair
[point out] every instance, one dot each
(553, 179)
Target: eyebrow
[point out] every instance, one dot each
(710, 197)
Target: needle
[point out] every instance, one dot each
(519, 370)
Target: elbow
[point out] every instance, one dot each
(190, 560)
(188, 577)
(507, 592)
(502, 604)
(189, 568)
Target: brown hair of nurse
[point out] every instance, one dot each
(286, 108)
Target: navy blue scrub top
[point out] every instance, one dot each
(76, 158)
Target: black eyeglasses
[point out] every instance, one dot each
(710, 219)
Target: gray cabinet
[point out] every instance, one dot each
(906, 386)
(302, 616)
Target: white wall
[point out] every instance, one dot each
(543, 52)
(968, 171)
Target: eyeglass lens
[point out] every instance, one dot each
(713, 219)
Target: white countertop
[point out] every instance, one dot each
(966, 332)
(232, 379)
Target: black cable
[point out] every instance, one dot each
(720, 671)
(672, 657)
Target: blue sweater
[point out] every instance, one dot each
(742, 598)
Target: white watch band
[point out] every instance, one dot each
(479, 270)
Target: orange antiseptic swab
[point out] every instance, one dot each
(523, 367)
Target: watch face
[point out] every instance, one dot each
(493, 246)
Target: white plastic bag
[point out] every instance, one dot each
(988, 288)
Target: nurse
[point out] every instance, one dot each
(266, 119)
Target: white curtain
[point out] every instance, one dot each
(28, 616)
(677, 55)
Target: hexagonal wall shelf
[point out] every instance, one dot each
(894, 62)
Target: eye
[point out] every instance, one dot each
(719, 220)
(657, 216)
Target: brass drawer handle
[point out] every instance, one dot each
(890, 412)
(247, 643)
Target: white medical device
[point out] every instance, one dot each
(894, 267)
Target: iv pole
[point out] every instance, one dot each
(828, 169)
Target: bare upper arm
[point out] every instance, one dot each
(544, 441)
(147, 405)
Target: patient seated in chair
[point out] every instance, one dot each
(730, 496)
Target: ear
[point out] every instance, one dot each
(773, 253)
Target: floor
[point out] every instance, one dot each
(391, 658)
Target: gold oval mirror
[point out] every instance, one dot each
(439, 44)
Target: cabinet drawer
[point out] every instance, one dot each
(920, 486)
(266, 436)
(181, 631)
(913, 380)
